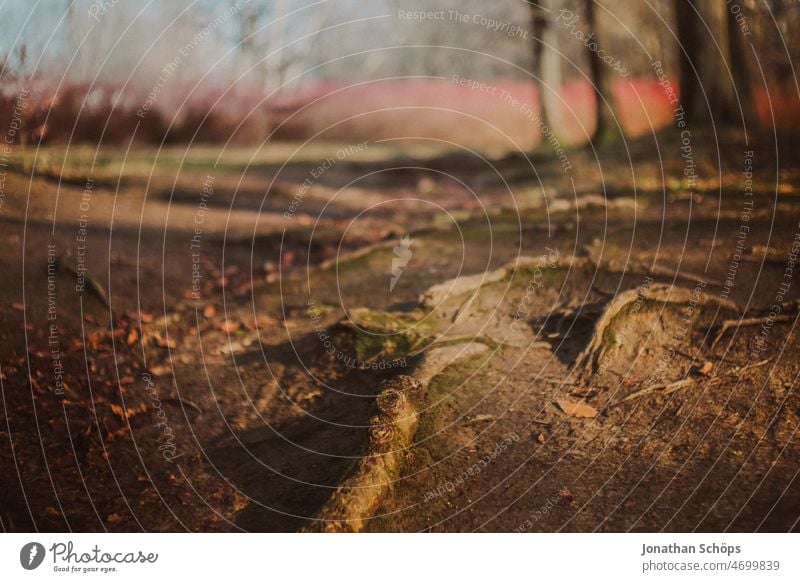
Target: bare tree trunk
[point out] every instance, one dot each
(606, 124)
(707, 90)
(740, 57)
(547, 69)
(546, 63)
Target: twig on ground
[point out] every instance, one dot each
(94, 286)
(183, 403)
(737, 370)
(560, 382)
(749, 321)
(661, 388)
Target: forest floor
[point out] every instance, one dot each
(194, 339)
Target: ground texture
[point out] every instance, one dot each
(401, 338)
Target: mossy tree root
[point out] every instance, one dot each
(391, 434)
(665, 296)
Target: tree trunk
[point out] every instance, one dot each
(546, 63)
(741, 55)
(606, 123)
(707, 90)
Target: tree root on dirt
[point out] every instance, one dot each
(183, 404)
(459, 286)
(641, 268)
(92, 285)
(391, 435)
(657, 294)
(750, 321)
(671, 387)
(668, 388)
(739, 369)
(633, 267)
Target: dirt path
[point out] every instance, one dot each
(221, 363)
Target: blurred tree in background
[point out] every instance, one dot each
(200, 67)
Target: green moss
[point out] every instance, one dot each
(544, 273)
(372, 334)
(609, 338)
(447, 388)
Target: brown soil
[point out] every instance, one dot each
(605, 289)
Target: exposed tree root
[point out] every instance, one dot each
(633, 267)
(437, 294)
(344, 258)
(183, 403)
(749, 321)
(657, 294)
(93, 286)
(391, 434)
(668, 388)
(671, 387)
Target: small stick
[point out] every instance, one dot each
(666, 388)
(748, 321)
(93, 285)
(560, 382)
(738, 370)
(183, 403)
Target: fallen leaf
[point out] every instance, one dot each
(287, 258)
(706, 368)
(631, 381)
(231, 348)
(124, 413)
(166, 343)
(230, 326)
(246, 286)
(161, 370)
(114, 518)
(576, 409)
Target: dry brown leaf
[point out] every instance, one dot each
(706, 368)
(161, 370)
(124, 413)
(576, 409)
(566, 497)
(114, 518)
(230, 326)
(166, 343)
